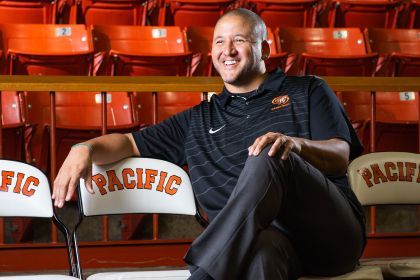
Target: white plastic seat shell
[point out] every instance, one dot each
(26, 193)
(142, 275)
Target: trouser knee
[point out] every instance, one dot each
(263, 162)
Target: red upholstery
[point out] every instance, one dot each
(115, 12)
(364, 13)
(27, 11)
(288, 13)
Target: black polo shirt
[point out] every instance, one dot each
(213, 137)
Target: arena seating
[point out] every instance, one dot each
(28, 195)
(120, 12)
(61, 50)
(332, 52)
(327, 51)
(27, 11)
(397, 114)
(364, 13)
(290, 13)
(186, 13)
(147, 51)
(120, 46)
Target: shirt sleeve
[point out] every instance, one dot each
(166, 139)
(328, 118)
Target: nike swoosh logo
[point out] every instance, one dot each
(212, 131)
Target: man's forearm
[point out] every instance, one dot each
(112, 147)
(329, 156)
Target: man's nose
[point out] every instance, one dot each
(229, 48)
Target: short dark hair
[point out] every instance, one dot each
(257, 24)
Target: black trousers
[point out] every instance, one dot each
(283, 219)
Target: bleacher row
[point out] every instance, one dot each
(47, 49)
(136, 38)
(290, 13)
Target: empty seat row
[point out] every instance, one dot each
(290, 13)
(165, 51)
(69, 50)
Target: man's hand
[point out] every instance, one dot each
(289, 144)
(78, 164)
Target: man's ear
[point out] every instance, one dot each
(265, 50)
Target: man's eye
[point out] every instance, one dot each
(219, 42)
(239, 41)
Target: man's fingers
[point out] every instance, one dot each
(288, 146)
(251, 148)
(70, 190)
(261, 142)
(60, 190)
(88, 181)
(275, 147)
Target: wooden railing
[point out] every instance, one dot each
(157, 252)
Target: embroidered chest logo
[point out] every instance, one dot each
(280, 102)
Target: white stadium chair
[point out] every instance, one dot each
(375, 179)
(389, 178)
(25, 192)
(165, 189)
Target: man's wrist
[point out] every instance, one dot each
(87, 145)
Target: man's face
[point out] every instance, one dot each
(236, 52)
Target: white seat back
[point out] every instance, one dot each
(24, 191)
(138, 185)
(386, 178)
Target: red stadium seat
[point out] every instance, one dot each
(200, 40)
(186, 13)
(13, 132)
(13, 127)
(277, 57)
(328, 51)
(397, 112)
(142, 50)
(364, 13)
(61, 50)
(146, 51)
(414, 10)
(400, 49)
(27, 11)
(110, 12)
(287, 13)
